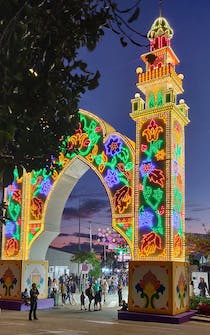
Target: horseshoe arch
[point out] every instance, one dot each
(36, 201)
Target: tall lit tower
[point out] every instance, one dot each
(160, 181)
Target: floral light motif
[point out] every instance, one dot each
(146, 168)
(151, 242)
(8, 280)
(37, 206)
(160, 155)
(113, 146)
(157, 177)
(181, 289)
(150, 289)
(152, 131)
(112, 178)
(122, 199)
(177, 245)
(10, 229)
(12, 247)
(146, 218)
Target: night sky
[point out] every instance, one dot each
(190, 21)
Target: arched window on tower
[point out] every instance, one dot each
(151, 103)
(160, 98)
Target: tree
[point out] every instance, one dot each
(198, 243)
(42, 77)
(89, 258)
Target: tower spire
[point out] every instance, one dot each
(160, 8)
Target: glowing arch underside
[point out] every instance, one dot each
(55, 206)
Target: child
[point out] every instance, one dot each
(82, 301)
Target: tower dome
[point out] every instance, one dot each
(160, 28)
(160, 34)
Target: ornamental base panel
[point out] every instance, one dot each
(158, 287)
(15, 276)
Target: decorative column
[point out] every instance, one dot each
(158, 278)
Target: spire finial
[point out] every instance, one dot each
(160, 8)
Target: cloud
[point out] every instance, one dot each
(197, 207)
(190, 219)
(86, 209)
(74, 247)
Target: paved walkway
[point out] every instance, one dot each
(70, 320)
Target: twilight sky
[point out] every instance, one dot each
(190, 21)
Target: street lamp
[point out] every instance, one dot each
(103, 236)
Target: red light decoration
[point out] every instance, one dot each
(161, 210)
(37, 206)
(122, 199)
(17, 196)
(11, 247)
(157, 177)
(150, 243)
(177, 245)
(144, 147)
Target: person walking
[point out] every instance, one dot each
(104, 289)
(82, 301)
(202, 287)
(33, 300)
(73, 291)
(192, 289)
(63, 291)
(90, 294)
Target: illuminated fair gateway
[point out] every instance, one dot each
(144, 182)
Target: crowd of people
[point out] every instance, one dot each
(93, 292)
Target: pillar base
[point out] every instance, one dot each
(147, 317)
(18, 305)
(158, 287)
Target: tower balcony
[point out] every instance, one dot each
(161, 75)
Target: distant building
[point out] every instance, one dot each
(60, 263)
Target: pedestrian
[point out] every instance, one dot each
(54, 292)
(63, 291)
(192, 288)
(33, 300)
(68, 292)
(105, 289)
(73, 291)
(49, 284)
(119, 291)
(202, 287)
(82, 301)
(90, 294)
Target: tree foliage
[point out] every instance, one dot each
(198, 243)
(42, 75)
(89, 258)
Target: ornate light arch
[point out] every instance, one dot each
(38, 198)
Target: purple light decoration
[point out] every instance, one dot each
(111, 178)
(10, 229)
(46, 186)
(146, 168)
(146, 218)
(11, 190)
(175, 168)
(113, 146)
(176, 220)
